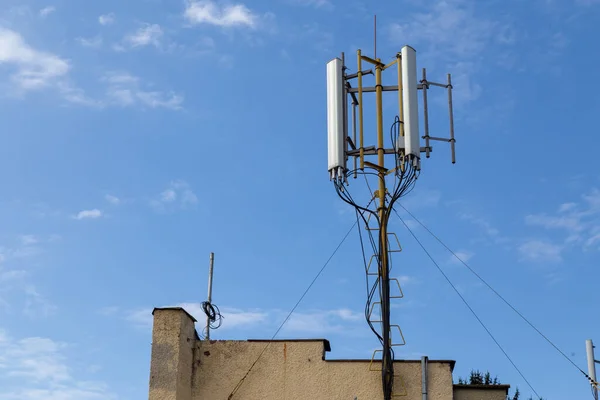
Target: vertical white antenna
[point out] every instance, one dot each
(210, 278)
(589, 349)
(336, 137)
(410, 104)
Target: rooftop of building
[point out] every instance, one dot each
(326, 344)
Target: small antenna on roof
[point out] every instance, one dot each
(375, 36)
(213, 315)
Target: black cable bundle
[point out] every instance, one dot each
(213, 314)
(405, 177)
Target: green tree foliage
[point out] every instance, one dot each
(478, 378)
(517, 394)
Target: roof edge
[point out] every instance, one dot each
(485, 387)
(325, 342)
(174, 309)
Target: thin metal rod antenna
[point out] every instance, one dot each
(345, 96)
(210, 279)
(451, 111)
(354, 134)
(375, 36)
(360, 111)
(425, 112)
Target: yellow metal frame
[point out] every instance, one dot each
(401, 336)
(367, 226)
(360, 112)
(390, 64)
(400, 88)
(380, 193)
(369, 265)
(397, 377)
(397, 241)
(371, 312)
(401, 296)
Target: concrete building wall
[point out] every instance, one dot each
(296, 369)
(173, 341)
(481, 392)
(185, 368)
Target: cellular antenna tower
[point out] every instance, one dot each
(389, 165)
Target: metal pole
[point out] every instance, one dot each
(589, 349)
(387, 362)
(210, 278)
(425, 112)
(345, 95)
(361, 145)
(451, 112)
(424, 370)
(354, 134)
(375, 36)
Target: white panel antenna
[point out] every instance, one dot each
(336, 135)
(410, 104)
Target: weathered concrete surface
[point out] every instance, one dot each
(173, 342)
(296, 370)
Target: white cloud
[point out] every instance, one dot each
(34, 69)
(106, 19)
(178, 194)
(93, 42)
(126, 90)
(481, 222)
(449, 26)
(89, 214)
(463, 255)
(322, 322)
(572, 223)
(566, 207)
(234, 317)
(322, 4)
(36, 368)
(168, 196)
(452, 35)
(27, 240)
(44, 12)
(147, 35)
(114, 200)
(12, 275)
(141, 318)
(37, 305)
(405, 280)
(422, 199)
(540, 251)
(579, 221)
(208, 12)
(310, 322)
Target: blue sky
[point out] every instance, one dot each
(139, 136)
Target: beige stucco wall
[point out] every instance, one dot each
(296, 370)
(185, 368)
(172, 359)
(474, 393)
